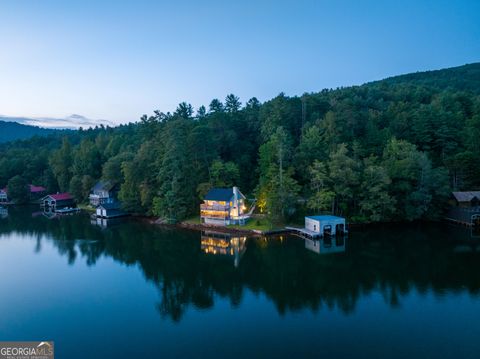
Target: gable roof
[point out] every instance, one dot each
(36, 189)
(326, 217)
(104, 186)
(61, 196)
(466, 196)
(219, 194)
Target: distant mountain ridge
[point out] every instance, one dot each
(11, 131)
(462, 78)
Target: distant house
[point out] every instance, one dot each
(58, 200)
(109, 210)
(466, 199)
(3, 195)
(465, 208)
(104, 192)
(36, 192)
(223, 206)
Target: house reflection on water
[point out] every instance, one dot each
(326, 245)
(225, 244)
(3, 212)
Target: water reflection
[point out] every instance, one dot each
(191, 269)
(3, 212)
(218, 243)
(326, 245)
(105, 222)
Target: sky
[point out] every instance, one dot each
(113, 61)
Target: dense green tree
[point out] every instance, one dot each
(277, 187)
(61, 164)
(376, 204)
(18, 190)
(323, 196)
(422, 130)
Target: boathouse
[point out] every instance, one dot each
(325, 224)
(103, 192)
(465, 208)
(58, 200)
(320, 226)
(109, 210)
(223, 206)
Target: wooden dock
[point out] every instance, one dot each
(304, 233)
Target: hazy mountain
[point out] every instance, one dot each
(10, 131)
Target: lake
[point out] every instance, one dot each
(128, 289)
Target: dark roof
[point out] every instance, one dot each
(219, 194)
(104, 186)
(109, 206)
(466, 196)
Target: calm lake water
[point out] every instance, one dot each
(132, 290)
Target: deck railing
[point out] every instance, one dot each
(214, 207)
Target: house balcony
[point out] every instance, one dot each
(214, 207)
(96, 200)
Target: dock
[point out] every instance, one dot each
(304, 233)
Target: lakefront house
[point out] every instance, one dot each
(104, 192)
(223, 206)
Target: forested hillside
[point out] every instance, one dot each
(10, 131)
(387, 150)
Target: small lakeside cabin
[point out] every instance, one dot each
(465, 208)
(320, 226)
(104, 192)
(223, 206)
(109, 210)
(58, 200)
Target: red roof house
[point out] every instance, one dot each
(58, 200)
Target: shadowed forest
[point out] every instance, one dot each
(390, 150)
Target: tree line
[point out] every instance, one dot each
(389, 150)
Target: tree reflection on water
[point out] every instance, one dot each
(193, 268)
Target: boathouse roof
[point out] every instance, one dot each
(110, 206)
(466, 196)
(326, 217)
(61, 196)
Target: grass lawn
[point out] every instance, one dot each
(260, 224)
(86, 207)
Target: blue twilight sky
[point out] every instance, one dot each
(115, 60)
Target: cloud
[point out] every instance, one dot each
(73, 121)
